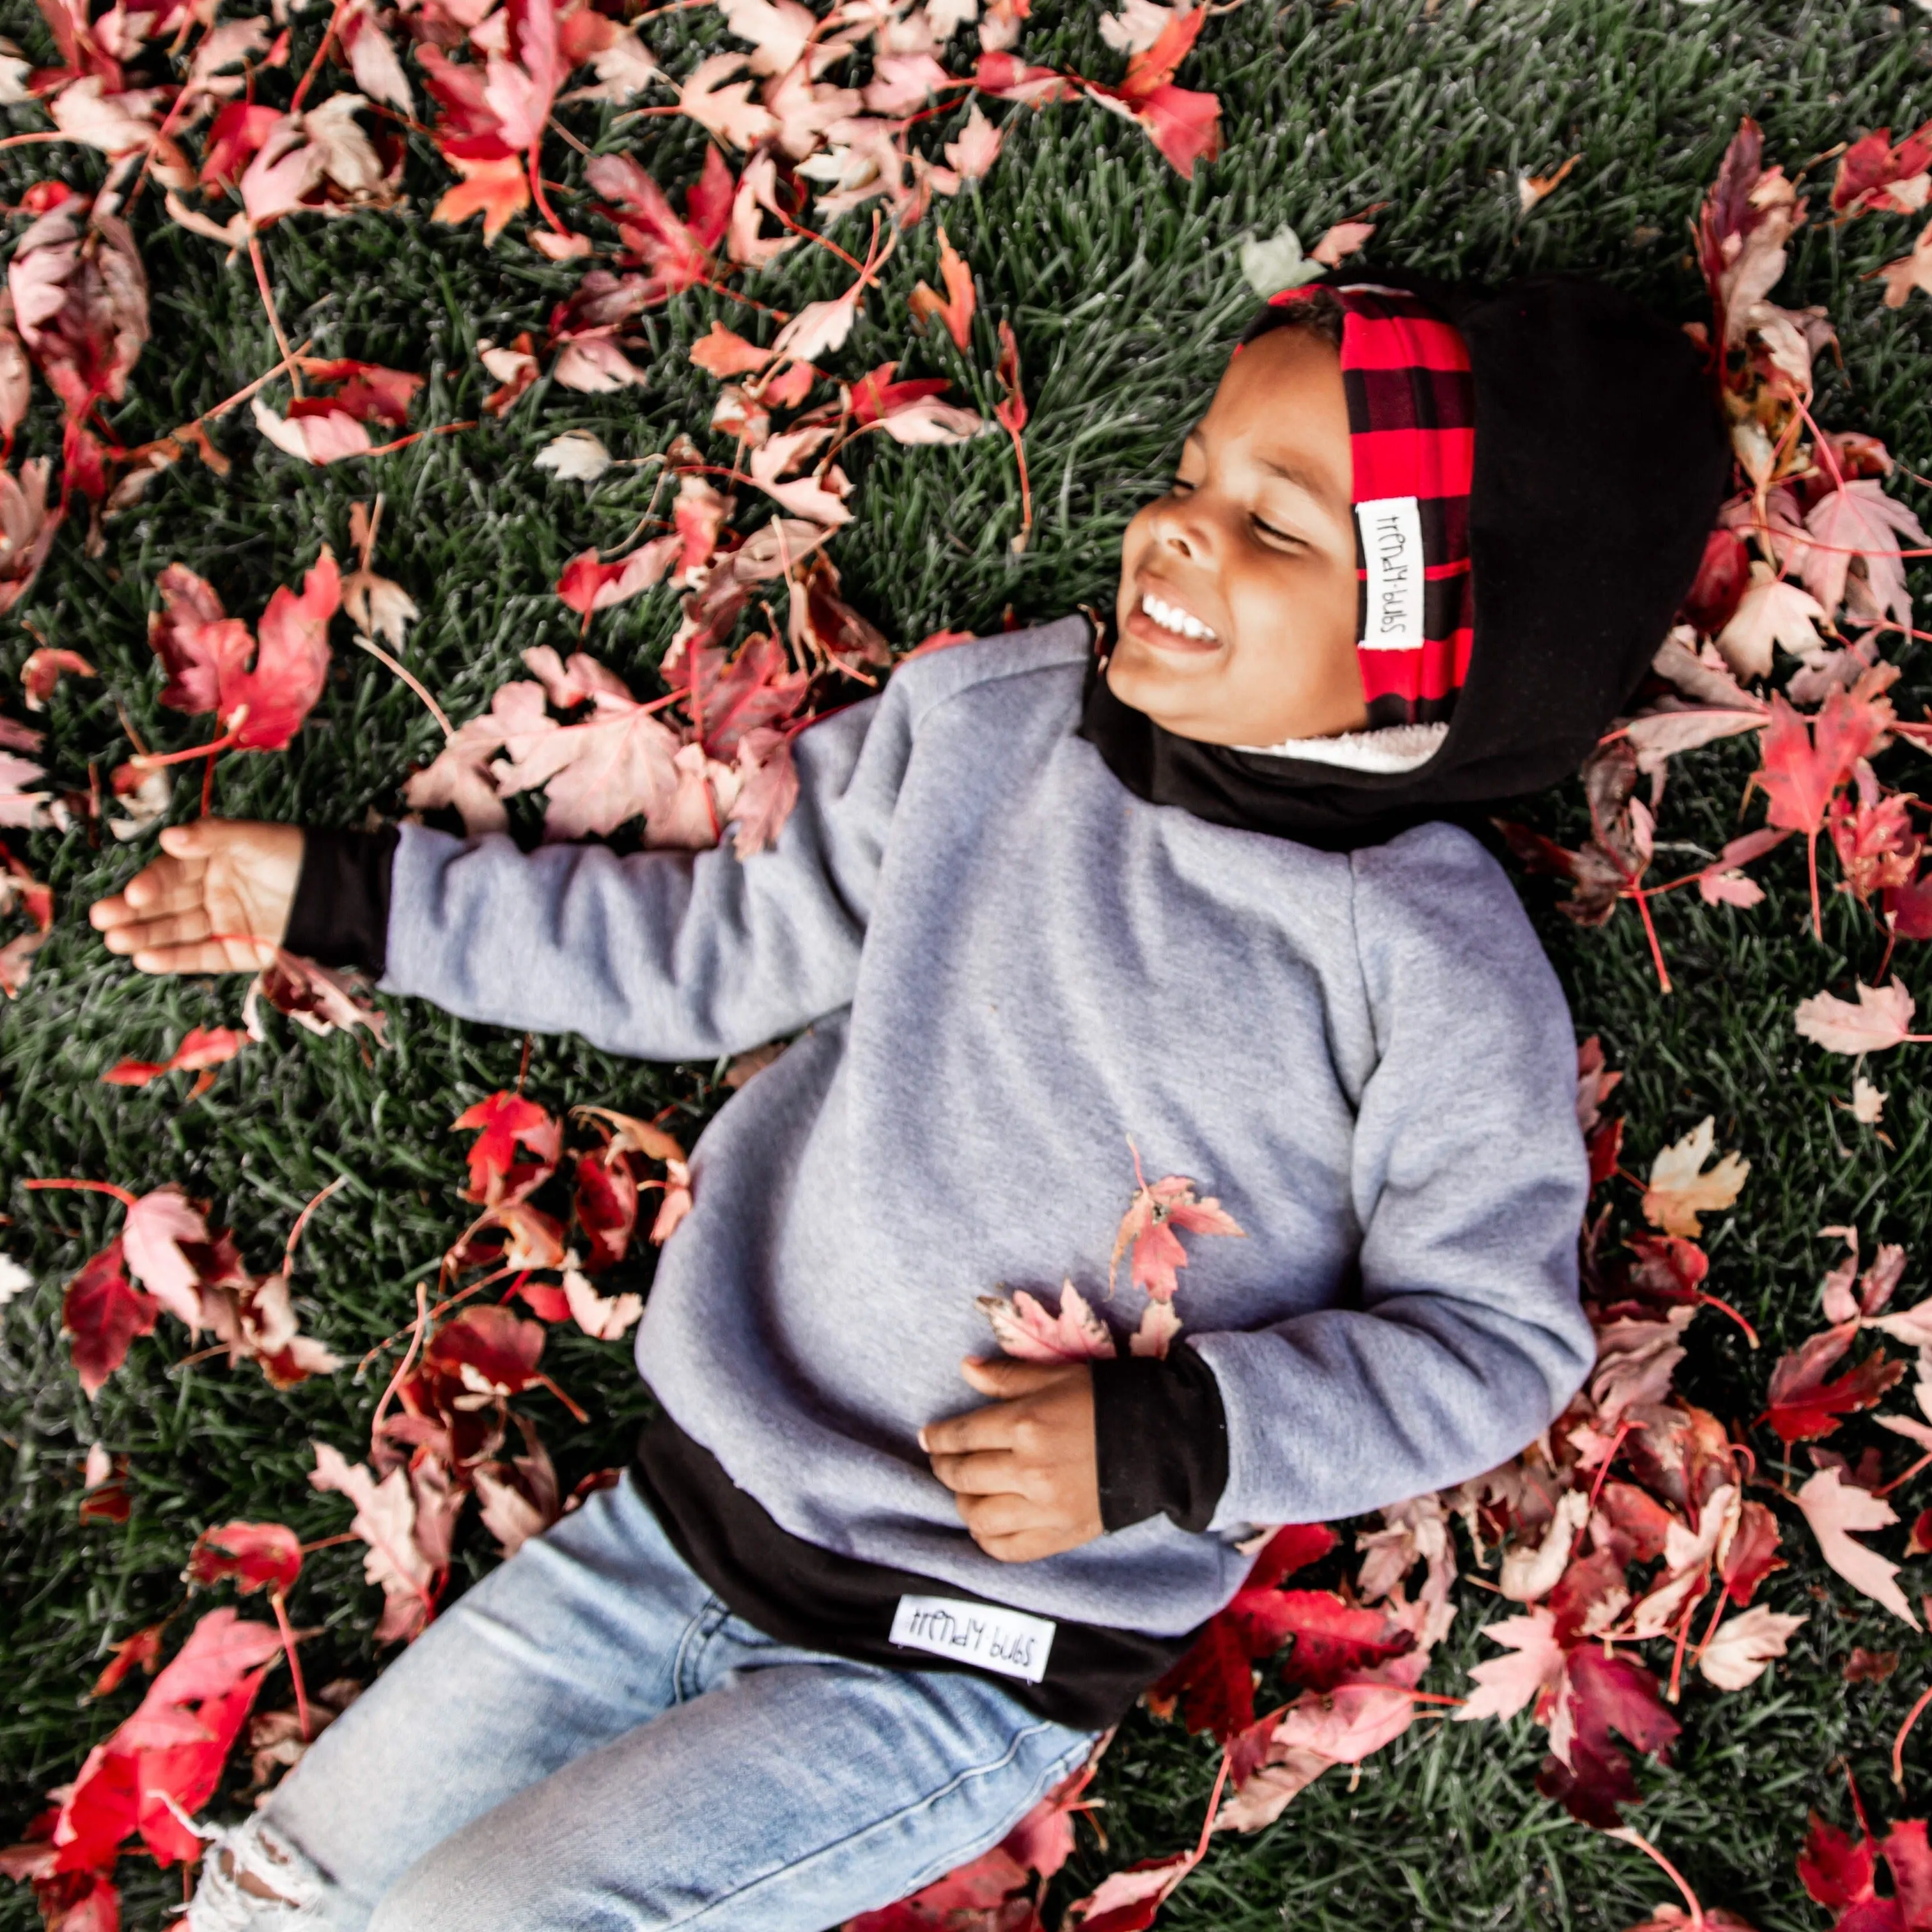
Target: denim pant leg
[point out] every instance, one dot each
(570, 1643)
(589, 1739)
(792, 1792)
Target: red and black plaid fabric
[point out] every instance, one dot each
(1411, 420)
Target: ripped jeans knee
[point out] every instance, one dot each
(251, 1882)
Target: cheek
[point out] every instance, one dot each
(1294, 624)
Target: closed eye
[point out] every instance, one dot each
(1274, 535)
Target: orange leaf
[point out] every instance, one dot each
(496, 188)
(956, 311)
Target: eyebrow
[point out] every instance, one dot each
(1300, 478)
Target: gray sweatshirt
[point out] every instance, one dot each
(1002, 968)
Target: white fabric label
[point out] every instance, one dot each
(1391, 529)
(1007, 1641)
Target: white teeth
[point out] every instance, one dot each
(1170, 617)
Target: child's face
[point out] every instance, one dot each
(1253, 552)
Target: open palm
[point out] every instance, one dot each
(215, 901)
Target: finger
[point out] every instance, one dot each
(171, 886)
(989, 1428)
(1030, 1546)
(142, 887)
(181, 928)
(200, 839)
(208, 956)
(156, 898)
(166, 878)
(1004, 1515)
(988, 1474)
(997, 1377)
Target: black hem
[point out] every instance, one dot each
(799, 1593)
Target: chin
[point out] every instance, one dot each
(1143, 682)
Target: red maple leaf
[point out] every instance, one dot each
(1752, 1554)
(494, 184)
(80, 303)
(253, 1555)
(103, 1312)
(1609, 1694)
(141, 1651)
(607, 1210)
(1868, 168)
(588, 584)
(206, 654)
(1806, 761)
(725, 695)
(235, 137)
(203, 1048)
(1184, 124)
(366, 391)
(165, 1762)
(956, 308)
(488, 1350)
(1840, 1873)
(675, 254)
(1722, 578)
(1805, 1407)
(1332, 1640)
(502, 1123)
(875, 395)
(826, 628)
(1212, 1685)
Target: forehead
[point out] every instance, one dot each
(1281, 402)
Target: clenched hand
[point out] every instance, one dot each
(222, 887)
(1022, 1469)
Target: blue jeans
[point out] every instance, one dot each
(589, 1740)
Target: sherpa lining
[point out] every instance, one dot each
(1394, 748)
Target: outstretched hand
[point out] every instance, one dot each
(215, 901)
(1023, 1469)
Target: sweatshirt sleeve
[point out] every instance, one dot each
(1469, 1180)
(665, 955)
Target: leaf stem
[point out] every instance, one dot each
(409, 678)
(1912, 1717)
(281, 1610)
(301, 1222)
(1631, 1836)
(269, 303)
(315, 65)
(151, 761)
(121, 1194)
(403, 441)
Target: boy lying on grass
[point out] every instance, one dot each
(1197, 884)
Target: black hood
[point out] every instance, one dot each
(1600, 460)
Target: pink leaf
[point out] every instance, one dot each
(1834, 1509)
(1027, 1333)
(1881, 1019)
(156, 1226)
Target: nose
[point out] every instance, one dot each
(1181, 529)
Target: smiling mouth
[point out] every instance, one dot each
(1171, 618)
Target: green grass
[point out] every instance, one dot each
(1121, 281)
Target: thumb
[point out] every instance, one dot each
(200, 839)
(997, 1376)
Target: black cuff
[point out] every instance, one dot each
(1160, 1439)
(341, 915)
